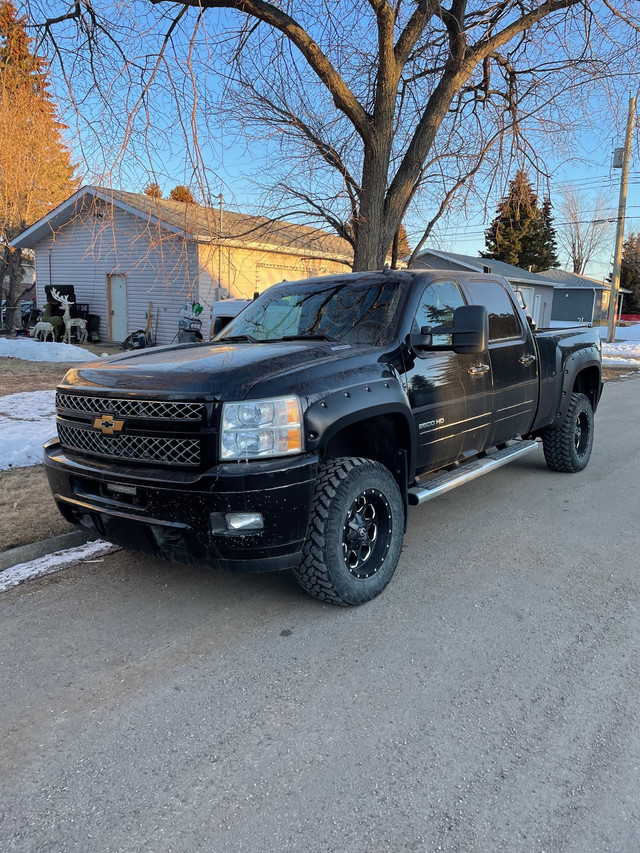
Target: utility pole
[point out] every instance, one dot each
(622, 209)
(221, 200)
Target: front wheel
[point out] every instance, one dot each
(355, 533)
(567, 447)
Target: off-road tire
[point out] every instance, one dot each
(331, 567)
(567, 447)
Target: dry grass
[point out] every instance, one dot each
(28, 512)
(17, 375)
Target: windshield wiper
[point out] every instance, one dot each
(310, 337)
(249, 338)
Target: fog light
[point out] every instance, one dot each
(244, 521)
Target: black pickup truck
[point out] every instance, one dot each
(298, 438)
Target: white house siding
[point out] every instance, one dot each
(160, 268)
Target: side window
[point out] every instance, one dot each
(437, 304)
(503, 320)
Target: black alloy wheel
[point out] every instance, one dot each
(367, 533)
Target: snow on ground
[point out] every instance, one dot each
(625, 352)
(28, 349)
(54, 563)
(27, 420)
(623, 333)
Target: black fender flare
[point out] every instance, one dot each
(339, 409)
(573, 366)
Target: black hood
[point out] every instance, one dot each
(224, 371)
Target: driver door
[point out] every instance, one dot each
(433, 381)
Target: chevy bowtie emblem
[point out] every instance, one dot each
(108, 424)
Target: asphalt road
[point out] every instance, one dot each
(487, 701)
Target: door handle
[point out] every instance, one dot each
(527, 360)
(478, 368)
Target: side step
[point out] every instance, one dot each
(467, 472)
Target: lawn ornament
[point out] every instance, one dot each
(70, 322)
(42, 330)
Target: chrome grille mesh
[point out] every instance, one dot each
(170, 451)
(160, 409)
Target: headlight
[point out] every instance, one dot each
(259, 428)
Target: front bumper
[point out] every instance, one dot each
(175, 515)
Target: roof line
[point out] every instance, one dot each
(447, 256)
(110, 198)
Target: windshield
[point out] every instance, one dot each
(360, 311)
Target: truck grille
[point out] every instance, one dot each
(147, 409)
(168, 451)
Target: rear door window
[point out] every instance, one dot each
(503, 319)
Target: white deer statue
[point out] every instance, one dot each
(70, 322)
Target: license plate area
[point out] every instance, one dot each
(109, 493)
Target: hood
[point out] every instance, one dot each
(219, 370)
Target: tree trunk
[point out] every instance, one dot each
(12, 263)
(371, 228)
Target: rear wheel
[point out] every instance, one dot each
(567, 447)
(355, 534)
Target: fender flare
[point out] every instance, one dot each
(339, 409)
(572, 367)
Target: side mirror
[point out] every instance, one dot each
(470, 329)
(422, 340)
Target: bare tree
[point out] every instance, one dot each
(586, 227)
(376, 105)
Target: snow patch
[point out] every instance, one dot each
(27, 420)
(53, 563)
(28, 349)
(623, 333)
(624, 352)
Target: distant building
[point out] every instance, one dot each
(127, 254)
(536, 289)
(580, 299)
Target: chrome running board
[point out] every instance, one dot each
(467, 471)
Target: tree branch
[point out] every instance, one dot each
(343, 97)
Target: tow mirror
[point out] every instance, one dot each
(469, 332)
(470, 329)
(423, 340)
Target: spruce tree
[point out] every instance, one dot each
(36, 172)
(630, 274)
(182, 193)
(153, 190)
(548, 246)
(522, 233)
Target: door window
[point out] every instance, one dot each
(503, 320)
(437, 304)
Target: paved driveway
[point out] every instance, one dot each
(487, 701)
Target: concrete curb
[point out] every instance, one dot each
(24, 553)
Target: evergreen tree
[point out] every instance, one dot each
(181, 193)
(548, 245)
(36, 172)
(522, 233)
(630, 274)
(153, 190)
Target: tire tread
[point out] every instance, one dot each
(312, 573)
(557, 440)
